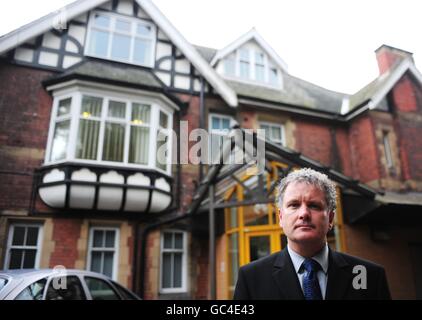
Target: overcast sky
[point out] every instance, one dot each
(328, 42)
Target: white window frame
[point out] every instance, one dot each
(77, 94)
(388, 152)
(112, 30)
(38, 247)
(275, 125)
(184, 252)
(115, 249)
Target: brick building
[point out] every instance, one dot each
(91, 95)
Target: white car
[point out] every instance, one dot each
(50, 284)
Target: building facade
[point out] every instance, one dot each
(95, 100)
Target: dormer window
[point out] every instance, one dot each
(121, 38)
(251, 65)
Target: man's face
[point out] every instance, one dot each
(304, 216)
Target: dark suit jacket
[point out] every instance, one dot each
(274, 277)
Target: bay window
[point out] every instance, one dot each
(120, 38)
(115, 129)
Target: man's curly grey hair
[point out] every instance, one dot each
(312, 177)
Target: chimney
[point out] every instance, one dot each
(388, 56)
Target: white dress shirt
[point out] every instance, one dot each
(321, 257)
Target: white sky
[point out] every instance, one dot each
(328, 42)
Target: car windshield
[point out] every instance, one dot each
(3, 282)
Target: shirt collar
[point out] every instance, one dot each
(321, 257)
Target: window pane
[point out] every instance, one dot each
(229, 66)
(259, 247)
(168, 240)
(144, 30)
(142, 51)
(98, 241)
(29, 259)
(117, 109)
(101, 21)
(178, 240)
(244, 54)
(60, 140)
(96, 261)
(33, 292)
(161, 161)
(100, 290)
(259, 58)
(267, 131)
(108, 264)
(177, 278)
(234, 257)
(255, 215)
(216, 123)
(64, 107)
(139, 145)
(259, 73)
(99, 43)
(114, 137)
(121, 47)
(233, 217)
(276, 133)
(123, 25)
(163, 120)
(226, 124)
(91, 107)
(18, 236)
(273, 76)
(244, 70)
(87, 144)
(110, 236)
(167, 270)
(32, 236)
(140, 113)
(16, 256)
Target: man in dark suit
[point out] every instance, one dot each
(307, 268)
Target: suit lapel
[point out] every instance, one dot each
(339, 277)
(286, 278)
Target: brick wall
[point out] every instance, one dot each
(404, 95)
(313, 140)
(66, 233)
(343, 146)
(393, 254)
(25, 114)
(364, 153)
